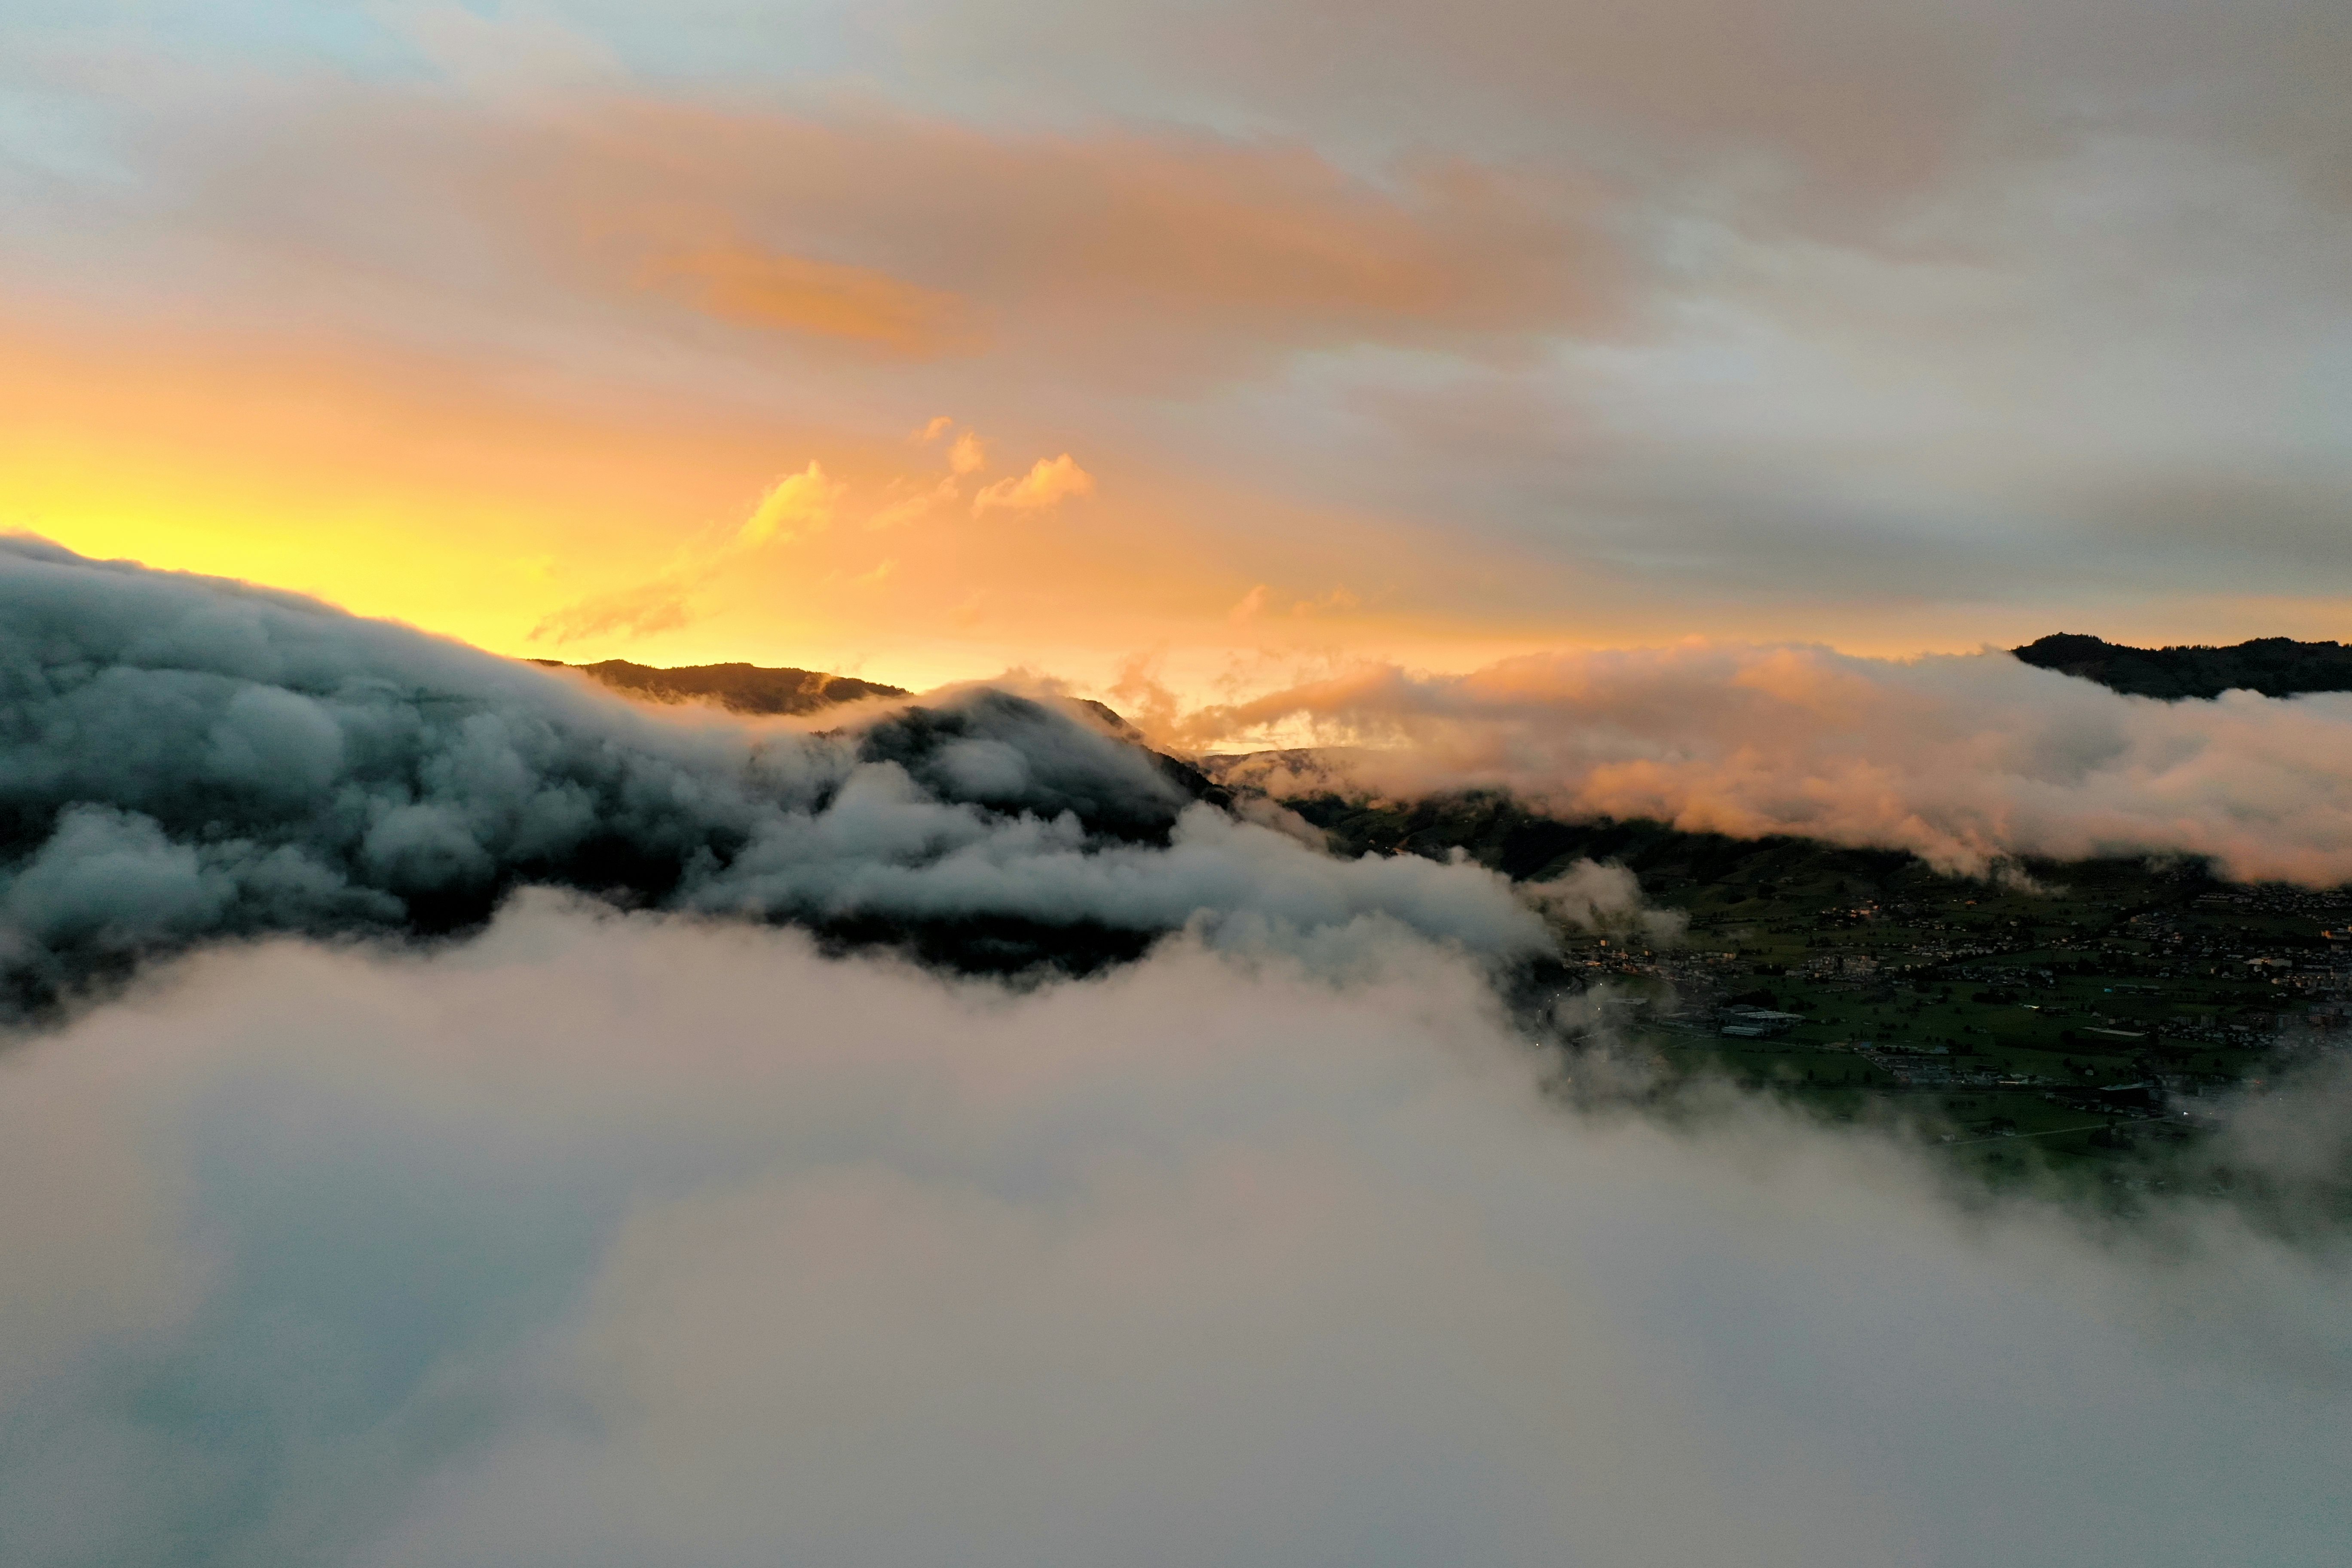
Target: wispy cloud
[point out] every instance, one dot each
(1048, 481)
(794, 506)
(627, 614)
(793, 293)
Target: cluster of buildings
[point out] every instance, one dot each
(1931, 1067)
(1843, 970)
(2306, 985)
(1752, 1023)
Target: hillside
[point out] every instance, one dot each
(2089, 1024)
(2275, 667)
(741, 688)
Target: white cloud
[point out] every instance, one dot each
(1960, 759)
(618, 1240)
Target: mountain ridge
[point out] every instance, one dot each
(739, 687)
(2275, 667)
(769, 689)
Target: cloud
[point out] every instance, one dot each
(793, 293)
(1960, 758)
(916, 507)
(1048, 481)
(1142, 257)
(794, 505)
(1598, 896)
(1808, 111)
(608, 1239)
(185, 758)
(967, 455)
(643, 611)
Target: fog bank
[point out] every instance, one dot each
(1962, 760)
(615, 1240)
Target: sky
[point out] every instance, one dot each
(1216, 347)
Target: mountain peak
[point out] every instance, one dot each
(739, 687)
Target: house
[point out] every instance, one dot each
(1747, 1023)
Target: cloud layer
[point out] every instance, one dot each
(1962, 760)
(183, 758)
(612, 1239)
(621, 1237)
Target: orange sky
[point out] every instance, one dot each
(510, 325)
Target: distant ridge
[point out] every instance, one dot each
(752, 689)
(2275, 667)
(741, 688)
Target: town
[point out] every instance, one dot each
(2087, 1021)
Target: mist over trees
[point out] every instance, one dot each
(185, 759)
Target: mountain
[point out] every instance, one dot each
(754, 689)
(2275, 667)
(742, 687)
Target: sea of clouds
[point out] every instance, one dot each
(673, 1233)
(620, 1240)
(1964, 760)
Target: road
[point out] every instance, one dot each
(2054, 1132)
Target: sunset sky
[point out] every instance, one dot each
(1215, 343)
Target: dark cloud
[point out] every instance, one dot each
(184, 758)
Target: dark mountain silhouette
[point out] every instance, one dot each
(2275, 667)
(755, 689)
(741, 688)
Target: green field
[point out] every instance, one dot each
(2125, 1002)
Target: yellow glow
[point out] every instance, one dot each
(428, 491)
